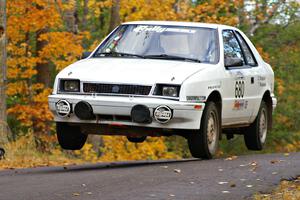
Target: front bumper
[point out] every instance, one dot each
(274, 102)
(186, 115)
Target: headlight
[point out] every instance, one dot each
(167, 90)
(70, 85)
(170, 91)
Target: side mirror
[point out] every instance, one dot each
(233, 62)
(85, 55)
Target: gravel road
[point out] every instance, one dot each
(236, 178)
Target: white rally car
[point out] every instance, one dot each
(157, 78)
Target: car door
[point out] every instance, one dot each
(236, 83)
(257, 76)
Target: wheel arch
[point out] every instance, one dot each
(215, 96)
(268, 100)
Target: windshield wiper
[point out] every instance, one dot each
(118, 54)
(172, 57)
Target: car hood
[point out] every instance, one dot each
(131, 70)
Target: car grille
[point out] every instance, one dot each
(116, 89)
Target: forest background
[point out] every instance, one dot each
(44, 36)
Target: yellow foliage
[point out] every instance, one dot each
(61, 45)
(87, 153)
(293, 146)
(287, 190)
(28, 99)
(119, 148)
(280, 86)
(22, 154)
(214, 11)
(263, 54)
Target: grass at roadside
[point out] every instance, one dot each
(287, 190)
(23, 154)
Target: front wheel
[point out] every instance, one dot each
(70, 137)
(204, 142)
(256, 133)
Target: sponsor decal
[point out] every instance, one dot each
(160, 29)
(196, 98)
(262, 84)
(63, 108)
(239, 89)
(261, 78)
(211, 87)
(162, 114)
(240, 104)
(262, 81)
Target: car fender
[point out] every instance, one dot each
(202, 84)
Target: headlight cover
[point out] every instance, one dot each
(170, 91)
(70, 85)
(167, 90)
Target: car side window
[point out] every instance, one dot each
(247, 51)
(232, 48)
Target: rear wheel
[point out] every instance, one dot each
(256, 133)
(2, 153)
(204, 143)
(70, 137)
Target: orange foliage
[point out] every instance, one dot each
(265, 56)
(27, 98)
(214, 11)
(119, 148)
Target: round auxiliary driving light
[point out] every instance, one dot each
(162, 114)
(83, 110)
(140, 114)
(63, 108)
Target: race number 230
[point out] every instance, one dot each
(239, 89)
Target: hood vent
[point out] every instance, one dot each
(116, 89)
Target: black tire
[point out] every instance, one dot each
(136, 139)
(255, 134)
(198, 142)
(2, 153)
(70, 137)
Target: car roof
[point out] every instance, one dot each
(175, 23)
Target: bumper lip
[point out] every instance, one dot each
(126, 101)
(274, 102)
(185, 115)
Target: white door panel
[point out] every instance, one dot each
(237, 107)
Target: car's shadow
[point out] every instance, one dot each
(90, 167)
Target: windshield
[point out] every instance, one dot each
(162, 42)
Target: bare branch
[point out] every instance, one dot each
(268, 16)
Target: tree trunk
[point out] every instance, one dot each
(70, 20)
(115, 15)
(43, 69)
(3, 118)
(85, 13)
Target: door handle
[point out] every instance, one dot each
(252, 80)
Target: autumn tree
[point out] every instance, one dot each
(46, 36)
(114, 16)
(37, 47)
(253, 15)
(3, 123)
